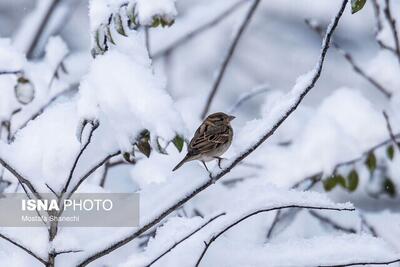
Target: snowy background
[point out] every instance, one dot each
(95, 98)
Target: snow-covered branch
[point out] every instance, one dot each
(236, 222)
(27, 250)
(185, 238)
(281, 112)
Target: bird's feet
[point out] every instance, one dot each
(219, 159)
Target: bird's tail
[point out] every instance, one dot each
(185, 159)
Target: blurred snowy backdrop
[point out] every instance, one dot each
(334, 148)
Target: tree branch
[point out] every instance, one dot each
(71, 172)
(393, 28)
(20, 178)
(53, 5)
(390, 130)
(363, 263)
(332, 223)
(23, 248)
(261, 89)
(350, 60)
(7, 72)
(269, 132)
(71, 89)
(228, 56)
(215, 237)
(189, 36)
(92, 170)
(184, 238)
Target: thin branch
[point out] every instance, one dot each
(222, 173)
(261, 89)
(378, 27)
(317, 177)
(363, 263)
(53, 5)
(184, 238)
(92, 170)
(59, 66)
(390, 130)
(147, 40)
(365, 223)
(108, 165)
(93, 128)
(7, 72)
(23, 248)
(350, 60)
(228, 56)
(189, 36)
(215, 237)
(332, 223)
(71, 89)
(67, 251)
(20, 178)
(393, 27)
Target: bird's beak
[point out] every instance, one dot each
(231, 118)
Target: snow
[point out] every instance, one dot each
(125, 93)
(129, 96)
(147, 9)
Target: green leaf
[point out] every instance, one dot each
(144, 147)
(352, 181)
(129, 157)
(357, 5)
(178, 142)
(371, 161)
(333, 181)
(389, 187)
(341, 181)
(160, 149)
(156, 22)
(143, 143)
(390, 152)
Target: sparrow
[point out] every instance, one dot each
(211, 140)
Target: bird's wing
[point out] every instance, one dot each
(207, 138)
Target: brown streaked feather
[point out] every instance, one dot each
(211, 139)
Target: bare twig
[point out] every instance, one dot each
(390, 130)
(363, 263)
(378, 27)
(71, 89)
(365, 223)
(6, 72)
(147, 40)
(187, 37)
(332, 223)
(53, 5)
(92, 170)
(107, 166)
(56, 74)
(228, 56)
(20, 178)
(184, 238)
(261, 89)
(24, 249)
(67, 252)
(269, 132)
(93, 128)
(350, 60)
(215, 236)
(393, 27)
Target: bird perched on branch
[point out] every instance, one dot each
(211, 140)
